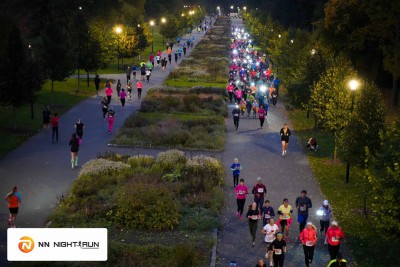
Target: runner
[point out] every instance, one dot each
(261, 116)
(241, 192)
(54, 127)
(334, 235)
(148, 73)
(267, 212)
(253, 217)
(110, 118)
(139, 86)
(109, 92)
(79, 125)
(104, 106)
(303, 203)
(134, 69)
(14, 199)
(236, 115)
(235, 167)
(325, 213)
(97, 84)
(269, 231)
(285, 220)
(74, 144)
(129, 89)
(119, 86)
(128, 74)
(46, 118)
(338, 262)
(259, 191)
(122, 97)
(260, 263)
(285, 133)
(278, 246)
(308, 237)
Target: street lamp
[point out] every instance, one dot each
(163, 21)
(244, 8)
(231, 7)
(292, 41)
(118, 31)
(279, 35)
(313, 51)
(353, 84)
(152, 35)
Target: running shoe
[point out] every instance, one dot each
(252, 244)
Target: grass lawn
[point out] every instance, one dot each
(65, 96)
(345, 199)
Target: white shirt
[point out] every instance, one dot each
(271, 231)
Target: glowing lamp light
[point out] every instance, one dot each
(320, 212)
(234, 51)
(252, 84)
(236, 106)
(248, 57)
(234, 60)
(353, 85)
(118, 30)
(245, 61)
(258, 64)
(263, 88)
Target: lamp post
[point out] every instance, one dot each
(152, 35)
(163, 21)
(118, 30)
(353, 84)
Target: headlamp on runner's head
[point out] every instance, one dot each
(252, 84)
(236, 106)
(234, 51)
(263, 88)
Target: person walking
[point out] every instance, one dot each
(119, 86)
(278, 248)
(269, 230)
(334, 235)
(122, 97)
(285, 219)
(128, 74)
(241, 191)
(267, 212)
(79, 125)
(104, 106)
(97, 84)
(308, 237)
(261, 116)
(14, 199)
(139, 86)
(259, 191)
(110, 118)
(235, 167)
(253, 217)
(285, 133)
(338, 262)
(74, 144)
(303, 203)
(325, 213)
(109, 92)
(54, 127)
(46, 118)
(236, 116)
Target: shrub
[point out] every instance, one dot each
(102, 166)
(170, 159)
(144, 161)
(198, 219)
(145, 206)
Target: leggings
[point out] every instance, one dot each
(278, 260)
(308, 254)
(235, 179)
(240, 205)
(253, 229)
(333, 251)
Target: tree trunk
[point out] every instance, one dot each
(365, 205)
(335, 147)
(87, 78)
(395, 92)
(79, 81)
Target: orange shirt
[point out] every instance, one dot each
(13, 201)
(169, 51)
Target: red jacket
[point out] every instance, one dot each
(308, 236)
(334, 235)
(54, 121)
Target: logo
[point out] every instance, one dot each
(26, 245)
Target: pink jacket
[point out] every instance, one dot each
(241, 191)
(238, 94)
(308, 237)
(109, 91)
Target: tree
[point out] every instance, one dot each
(20, 76)
(330, 98)
(171, 29)
(58, 53)
(383, 174)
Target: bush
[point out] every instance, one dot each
(102, 167)
(141, 161)
(170, 159)
(145, 206)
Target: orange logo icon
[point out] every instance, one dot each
(26, 245)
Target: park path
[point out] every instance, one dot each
(259, 152)
(42, 170)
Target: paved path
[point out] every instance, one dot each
(42, 170)
(259, 153)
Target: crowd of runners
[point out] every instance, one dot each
(252, 87)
